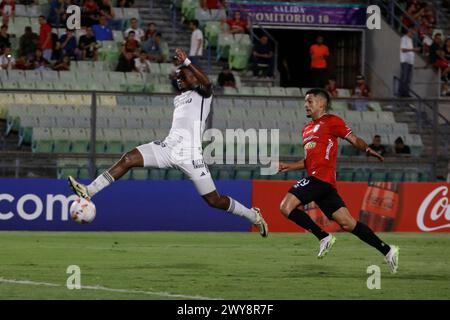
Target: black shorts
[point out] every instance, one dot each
(322, 193)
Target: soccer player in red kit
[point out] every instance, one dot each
(320, 141)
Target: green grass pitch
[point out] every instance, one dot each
(162, 265)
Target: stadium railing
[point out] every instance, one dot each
(103, 111)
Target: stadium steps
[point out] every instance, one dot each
(10, 142)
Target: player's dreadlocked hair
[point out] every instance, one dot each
(321, 93)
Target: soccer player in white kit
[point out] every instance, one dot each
(181, 149)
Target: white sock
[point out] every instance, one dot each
(241, 210)
(102, 181)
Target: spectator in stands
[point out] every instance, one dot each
(57, 16)
(377, 146)
(45, 38)
(438, 57)
(7, 61)
(407, 57)
(7, 10)
(4, 38)
(319, 54)
(63, 64)
(125, 3)
(68, 45)
(332, 88)
(226, 77)
(413, 12)
(141, 63)
(126, 62)
(236, 25)
(22, 63)
(38, 62)
(131, 44)
(196, 51)
(28, 43)
(90, 14)
(263, 57)
(154, 49)
(101, 31)
(134, 26)
(151, 31)
(361, 90)
(211, 4)
(400, 147)
(106, 9)
(88, 45)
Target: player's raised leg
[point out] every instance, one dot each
(289, 208)
(128, 161)
(215, 200)
(363, 232)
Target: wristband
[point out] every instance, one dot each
(186, 62)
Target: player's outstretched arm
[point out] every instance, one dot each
(198, 73)
(360, 144)
(285, 167)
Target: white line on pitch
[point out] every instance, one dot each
(101, 288)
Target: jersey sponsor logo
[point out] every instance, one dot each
(305, 140)
(436, 206)
(198, 164)
(316, 128)
(310, 145)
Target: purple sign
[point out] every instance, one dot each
(301, 14)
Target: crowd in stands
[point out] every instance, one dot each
(399, 148)
(45, 50)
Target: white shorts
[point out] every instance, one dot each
(157, 154)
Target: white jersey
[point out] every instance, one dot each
(191, 110)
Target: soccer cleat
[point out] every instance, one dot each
(392, 259)
(260, 223)
(325, 245)
(78, 188)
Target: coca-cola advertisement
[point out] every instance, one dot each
(384, 206)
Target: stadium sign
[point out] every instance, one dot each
(434, 208)
(302, 14)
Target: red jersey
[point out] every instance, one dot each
(320, 141)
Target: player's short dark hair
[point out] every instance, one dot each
(195, 22)
(321, 93)
(377, 136)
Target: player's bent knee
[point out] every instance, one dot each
(285, 209)
(127, 160)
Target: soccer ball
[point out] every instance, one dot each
(82, 211)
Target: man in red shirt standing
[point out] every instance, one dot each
(320, 141)
(45, 38)
(319, 54)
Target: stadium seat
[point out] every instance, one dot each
(245, 91)
(42, 140)
(61, 137)
(394, 176)
(378, 176)
(224, 41)
(212, 30)
(174, 174)
(238, 57)
(243, 174)
(361, 175)
(293, 92)
(139, 174)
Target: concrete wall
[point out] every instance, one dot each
(383, 62)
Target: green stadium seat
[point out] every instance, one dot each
(243, 174)
(238, 57)
(245, 91)
(345, 175)
(293, 92)
(174, 174)
(378, 176)
(139, 174)
(277, 91)
(230, 91)
(42, 140)
(157, 174)
(224, 41)
(361, 175)
(67, 167)
(395, 176)
(212, 30)
(225, 174)
(62, 140)
(411, 176)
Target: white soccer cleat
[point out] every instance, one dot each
(260, 223)
(78, 188)
(325, 245)
(392, 259)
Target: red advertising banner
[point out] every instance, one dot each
(384, 206)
